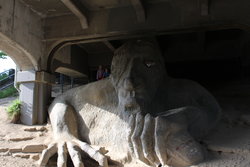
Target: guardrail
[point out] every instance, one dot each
(6, 86)
(8, 79)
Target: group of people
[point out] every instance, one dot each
(100, 74)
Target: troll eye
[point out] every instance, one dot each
(149, 63)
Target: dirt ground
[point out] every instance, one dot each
(14, 137)
(227, 146)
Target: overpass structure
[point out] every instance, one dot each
(73, 37)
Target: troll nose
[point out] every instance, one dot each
(128, 85)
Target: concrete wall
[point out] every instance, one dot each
(79, 59)
(72, 61)
(21, 34)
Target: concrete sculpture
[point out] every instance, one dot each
(138, 113)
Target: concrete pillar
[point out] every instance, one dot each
(35, 90)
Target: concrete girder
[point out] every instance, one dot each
(139, 9)
(79, 14)
(161, 17)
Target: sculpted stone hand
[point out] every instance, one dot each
(66, 139)
(163, 140)
(138, 114)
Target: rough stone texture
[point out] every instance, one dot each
(4, 149)
(26, 156)
(15, 150)
(35, 157)
(34, 129)
(134, 114)
(21, 139)
(34, 148)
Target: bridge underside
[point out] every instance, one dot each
(74, 37)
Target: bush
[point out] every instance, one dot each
(14, 111)
(11, 91)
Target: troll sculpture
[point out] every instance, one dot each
(139, 113)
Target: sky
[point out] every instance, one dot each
(6, 64)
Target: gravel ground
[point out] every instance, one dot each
(9, 161)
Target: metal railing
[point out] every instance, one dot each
(6, 86)
(8, 79)
(7, 71)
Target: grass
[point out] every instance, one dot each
(11, 91)
(14, 111)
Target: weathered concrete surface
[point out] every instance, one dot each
(21, 29)
(33, 148)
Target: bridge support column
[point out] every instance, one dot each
(35, 90)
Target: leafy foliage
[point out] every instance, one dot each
(14, 111)
(3, 55)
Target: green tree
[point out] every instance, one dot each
(3, 55)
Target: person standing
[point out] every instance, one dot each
(105, 73)
(99, 73)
